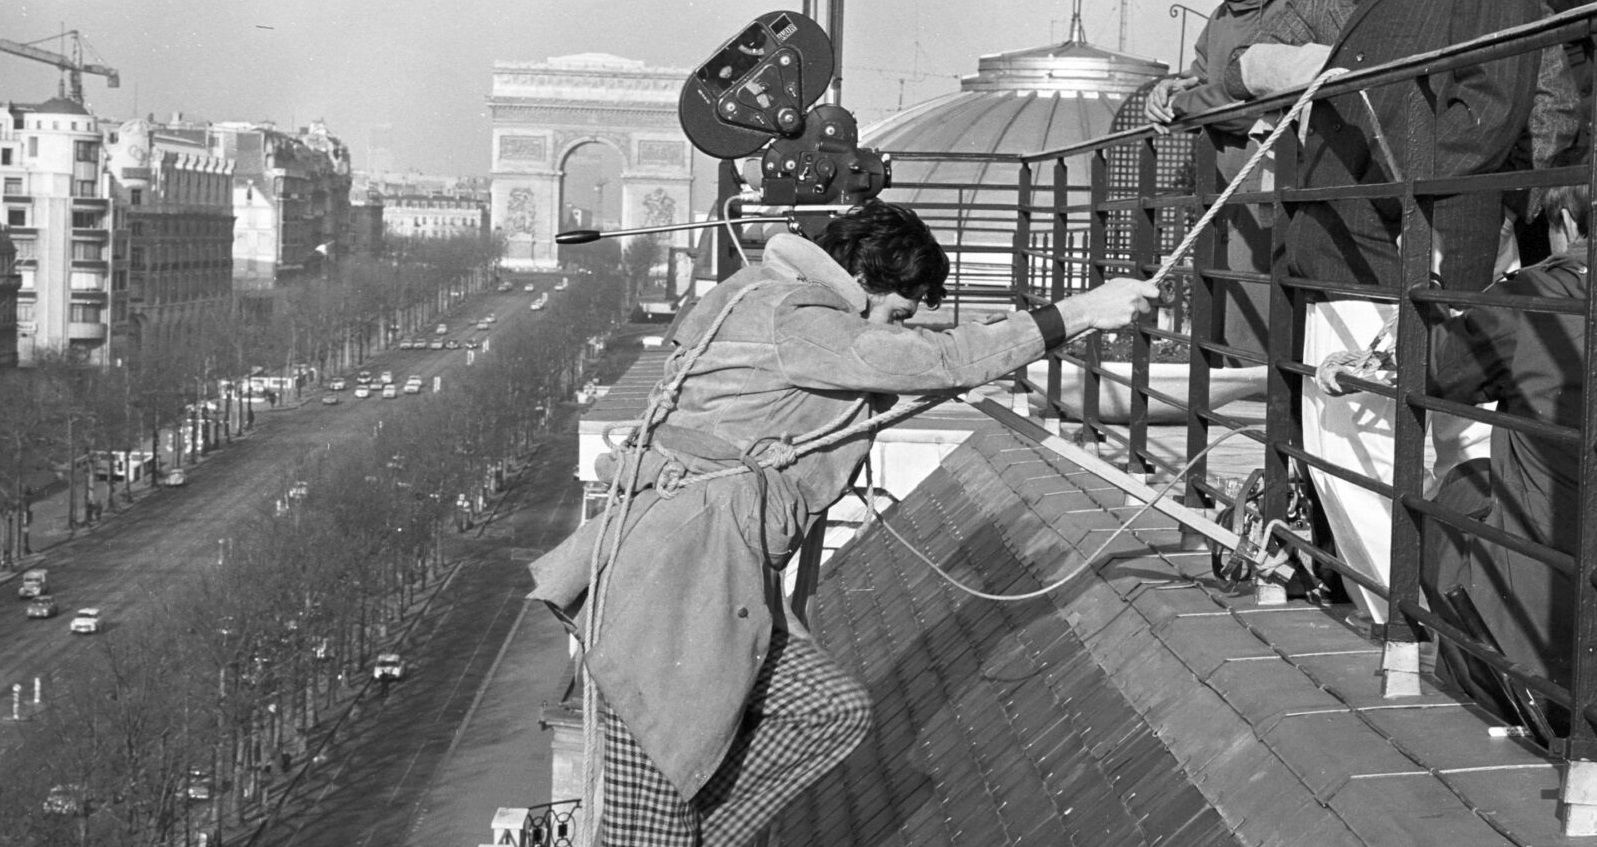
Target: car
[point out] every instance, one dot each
(42, 606)
(67, 799)
(452, 344)
(413, 385)
(390, 391)
(561, 285)
(437, 344)
(470, 345)
(490, 318)
(175, 477)
(329, 399)
(441, 329)
(388, 668)
(482, 324)
(387, 377)
(536, 305)
(337, 384)
(87, 622)
(198, 784)
(299, 490)
(363, 377)
(505, 286)
(362, 392)
(529, 287)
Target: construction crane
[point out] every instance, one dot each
(73, 65)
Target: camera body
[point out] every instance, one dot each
(757, 91)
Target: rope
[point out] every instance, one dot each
(870, 506)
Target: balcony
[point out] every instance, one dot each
(87, 331)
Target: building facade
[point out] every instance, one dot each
(57, 198)
(175, 215)
(10, 283)
(290, 202)
(433, 216)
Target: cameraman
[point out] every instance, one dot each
(719, 706)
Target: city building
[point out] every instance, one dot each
(175, 213)
(290, 202)
(365, 222)
(57, 198)
(10, 282)
(433, 216)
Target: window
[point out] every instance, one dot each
(136, 258)
(136, 228)
(13, 185)
(16, 217)
(136, 196)
(86, 220)
(5, 155)
(86, 281)
(27, 248)
(85, 188)
(87, 151)
(33, 146)
(85, 313)
(24, 312)
(87, 251)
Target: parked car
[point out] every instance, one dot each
(363, 378)
(561, 285)
(529, 287)
(87, 622)
(452, 344)
(336, 384)
(413, 385)
(388, 668)
(329, 399)
(441, 329)
(390, 391)
(490, 318)
(483, 324)
(505, 286)
(362, 392)
(43, 606)
(175, 477)
(387, 377)
(437, 344)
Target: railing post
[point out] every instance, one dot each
(1144, 252)
(1020, 271)
(1579, 793)
(1098, 232)
(1283, 409)
(1056, 287)
(1206, 323)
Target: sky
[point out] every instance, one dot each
(413, 77)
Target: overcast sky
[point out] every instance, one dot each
(415, 73)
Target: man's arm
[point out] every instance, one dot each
(1482, 109)
(1471, 352)
(820, 347)
(1275, 63)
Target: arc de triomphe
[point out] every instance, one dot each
(543, 111)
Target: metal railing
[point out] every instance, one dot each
(1073, 227)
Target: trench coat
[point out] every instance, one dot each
(694, 592)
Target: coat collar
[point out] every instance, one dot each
(799, 257)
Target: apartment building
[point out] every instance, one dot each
(56, 197)
(175, 215)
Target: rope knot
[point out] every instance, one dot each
(781, 453)
(671, 478)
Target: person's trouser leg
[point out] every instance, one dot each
(804, 717)
(641, 806)
(1353, 432)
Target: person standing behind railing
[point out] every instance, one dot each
(1247, 232)
(1531, 364)
(1482, 113)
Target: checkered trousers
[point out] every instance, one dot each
(803, 717)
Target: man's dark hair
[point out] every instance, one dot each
(891, 249)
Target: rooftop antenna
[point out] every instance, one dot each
(1078, 33)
